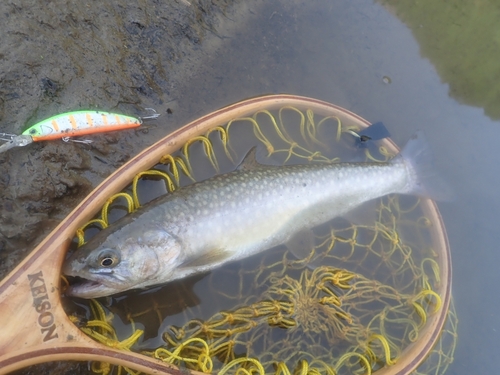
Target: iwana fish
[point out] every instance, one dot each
(232, 216)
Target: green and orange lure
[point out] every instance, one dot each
(73, 124)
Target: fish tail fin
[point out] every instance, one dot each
(424, 179)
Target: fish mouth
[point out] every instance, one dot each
(85, 288)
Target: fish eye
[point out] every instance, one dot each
(107, 262)
(108, 259)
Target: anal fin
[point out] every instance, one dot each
(365, 214)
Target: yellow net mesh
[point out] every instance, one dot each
(359, 297)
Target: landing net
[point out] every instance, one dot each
(352, 305)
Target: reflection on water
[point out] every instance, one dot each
(462, 40)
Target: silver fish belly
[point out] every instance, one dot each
(230, 217)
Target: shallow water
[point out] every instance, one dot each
(383, 61)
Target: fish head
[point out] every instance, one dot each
(120, 263)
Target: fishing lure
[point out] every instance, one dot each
(73, 124)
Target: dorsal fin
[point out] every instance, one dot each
(249, 162)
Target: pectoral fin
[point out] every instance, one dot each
(208, 259)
